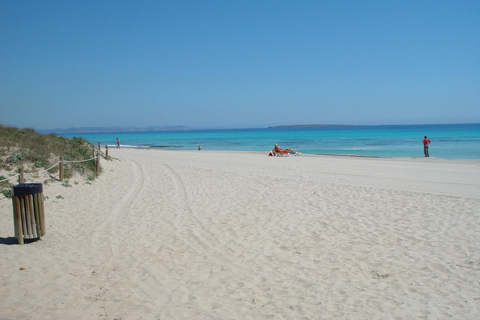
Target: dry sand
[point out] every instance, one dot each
(231, 235)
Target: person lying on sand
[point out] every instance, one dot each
(284, 151)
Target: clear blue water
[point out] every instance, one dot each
(449, 141)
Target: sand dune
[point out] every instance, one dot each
(232, 235)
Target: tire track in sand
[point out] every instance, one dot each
(203, 239)
(105, 231)
(120, 257)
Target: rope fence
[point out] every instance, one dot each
(96, 157)
(10, 177)
(32, 173)
(76, 161)
(36, 172)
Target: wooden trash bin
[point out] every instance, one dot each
(28, 211)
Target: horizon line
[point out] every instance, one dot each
(96, 129)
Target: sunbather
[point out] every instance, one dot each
(283, 151)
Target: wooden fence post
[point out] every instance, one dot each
(20, 177)
(106, 152)
(61, 169)
(93, 155)
(97, 169)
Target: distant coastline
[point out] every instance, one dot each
(313, 125)
(112, 129)
(133, 129)
(79, 130)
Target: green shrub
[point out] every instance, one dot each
(66, 184)
(18, 157)
(4, 183)
(7, 193)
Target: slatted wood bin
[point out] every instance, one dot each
(28, 211)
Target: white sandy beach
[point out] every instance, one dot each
(233, 235)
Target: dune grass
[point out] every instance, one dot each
(36, 152)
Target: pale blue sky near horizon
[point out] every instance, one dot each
(238, 64)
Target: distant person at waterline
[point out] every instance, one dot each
(426, 142)
(199, 148)
(118, 143)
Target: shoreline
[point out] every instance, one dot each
(165, 148)
(448, 141)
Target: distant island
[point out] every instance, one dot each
(313, 125)
(80, 130)
(112, 129)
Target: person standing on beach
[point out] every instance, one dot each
(426, 142)
(118, 143)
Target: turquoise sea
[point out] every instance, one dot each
(449, 141)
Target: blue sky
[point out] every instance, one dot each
(238, 63)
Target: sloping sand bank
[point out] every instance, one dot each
(227, 235)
